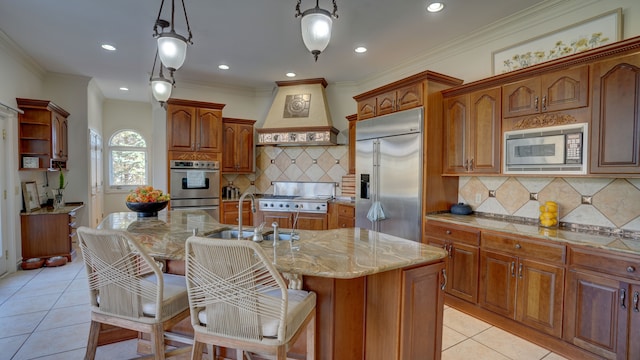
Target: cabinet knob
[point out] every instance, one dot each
(631, 269)
(448, 232)
(518, 246)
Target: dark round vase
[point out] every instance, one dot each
(147, 209)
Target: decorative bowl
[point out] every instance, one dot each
(147, 209)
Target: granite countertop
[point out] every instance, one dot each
(51, 211)
(340, 253)
(608, 242)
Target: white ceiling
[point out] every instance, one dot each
(260, 40)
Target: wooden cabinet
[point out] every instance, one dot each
(602, 304)
(46, 234)
(559, 90)
(346, 215)
(238, 146)
(285, 220)
(42, 134)
(462, 262)
(472, 134)
(352, 119)
(230, 212)
(523, 279)
(341, 215)
(194, 126)
(615, 121)
(398, 99)
(404, 313)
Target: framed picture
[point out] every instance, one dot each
(585, 35)
(30, 196)
(29, 162)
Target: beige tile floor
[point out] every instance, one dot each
(44, 314)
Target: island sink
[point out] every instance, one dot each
(230, 234)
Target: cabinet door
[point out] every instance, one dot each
(421, 314)
(209, 130)
(180, 128)
(595, 316)
(521, 98)
(633, 347)
(283, 219)
(229, 134)
(409, 97)
(244, 148)
(386, 103)
(566, 89)
(367, 108)
(484, 131)
(463, 272)
(540, 295)
(312, 222)
(615, 124)
(352, 143)
(59, 135)
(498, 282)
(455, 127)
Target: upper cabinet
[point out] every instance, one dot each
(615, 124)
(194, 126)
(238, 146)
(472, 132)
(403, 98)
(43, 135)
(559, 90)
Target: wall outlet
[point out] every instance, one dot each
(478, 198)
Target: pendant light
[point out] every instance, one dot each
(160, 86)
(316, 27)
(172, 47)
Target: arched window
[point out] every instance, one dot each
(127, 160)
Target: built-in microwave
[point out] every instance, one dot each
(549, 150)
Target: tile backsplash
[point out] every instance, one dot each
(609, 203)
(293, 163)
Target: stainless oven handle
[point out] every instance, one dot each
(185, 171)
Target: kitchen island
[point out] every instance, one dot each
(378, 296)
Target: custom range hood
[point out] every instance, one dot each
(299, 115)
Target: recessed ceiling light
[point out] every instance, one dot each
(435, 7)
(291, 74)
(108, 47)
(124, 88)
(223, 67)
(360, 49)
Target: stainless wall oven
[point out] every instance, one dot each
(195, 185)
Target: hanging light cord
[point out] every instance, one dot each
(186, 18)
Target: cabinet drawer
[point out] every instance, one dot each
(346, 210)
(346, 221)
(443, 231)
(606, 262)
(233, 205)
(524, 247)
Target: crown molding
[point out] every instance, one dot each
(16, 52)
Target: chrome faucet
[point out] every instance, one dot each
(275, 234)
(253, 210)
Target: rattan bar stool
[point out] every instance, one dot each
(239, 300)
(127, 289)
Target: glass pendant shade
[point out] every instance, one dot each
(316, 30)
(161, 89)
(172, 49)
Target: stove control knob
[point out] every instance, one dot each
(297, 206)
(271, 205)
(280, 205)
(287, 205)
(317, 207)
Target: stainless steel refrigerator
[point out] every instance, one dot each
(389, 173)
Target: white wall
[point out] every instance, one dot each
(119, 115)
